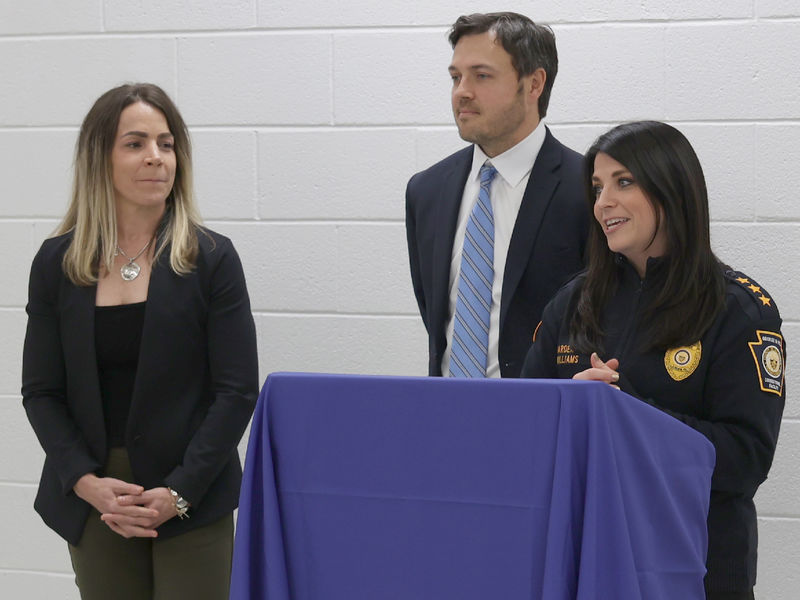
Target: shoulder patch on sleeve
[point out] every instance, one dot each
(761, 298)
(768, 355)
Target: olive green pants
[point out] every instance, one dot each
(196, 564)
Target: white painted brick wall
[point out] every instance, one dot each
(264, 79)
(39, 586)
(731, 191)
(778, 495)
(35, 17)
(24, 153)
(593, 84)
(12, 326)
(322, 172)
(307, 120)
(766, 252)
(778, 576)
(289, 267)
(372, 269)
(776, 165)
(385, 73)
(148, 15)
(16, 238)
(18, 440)
(356, 13)
(225, 173)
(54, 80)
(777, 8)
(323, 344)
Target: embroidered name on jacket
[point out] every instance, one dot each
(565, 355)
(768, 355)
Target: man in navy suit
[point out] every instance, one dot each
(502, 69)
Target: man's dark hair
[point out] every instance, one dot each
(530, 46)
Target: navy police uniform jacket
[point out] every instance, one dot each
(728, 385)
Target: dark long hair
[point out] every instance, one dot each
(692, 290)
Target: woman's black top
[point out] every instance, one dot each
(118, 336)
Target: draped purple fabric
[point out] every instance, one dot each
(430, 488)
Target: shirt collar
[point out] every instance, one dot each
(516, 162)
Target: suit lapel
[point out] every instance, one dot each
(78, 317)
(539, 192)
(446, 220)
(150, 361)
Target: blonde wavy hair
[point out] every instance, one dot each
(91, 215)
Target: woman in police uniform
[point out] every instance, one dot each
(657, 315)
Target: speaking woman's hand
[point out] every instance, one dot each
(601, 371)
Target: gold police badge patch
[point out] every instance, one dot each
(682, 361)
(768, 354)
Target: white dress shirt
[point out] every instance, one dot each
(513, 171)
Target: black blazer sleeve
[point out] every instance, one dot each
(44, 375)
(233, 377)
(413, 253)
(195, 389)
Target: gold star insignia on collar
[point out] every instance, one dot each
(742, 280)
(764, 300)
(754, 288)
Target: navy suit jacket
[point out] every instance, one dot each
(195, 389)
(547, 246)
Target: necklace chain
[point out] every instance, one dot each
(130, 271)
(138, 254)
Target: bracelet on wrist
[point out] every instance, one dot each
(180, 503)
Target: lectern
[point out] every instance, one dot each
(401, 488)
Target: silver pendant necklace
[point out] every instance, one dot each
(131, 270)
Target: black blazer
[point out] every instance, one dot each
(195, 389)
(547, 246)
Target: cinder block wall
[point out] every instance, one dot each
(309, 117)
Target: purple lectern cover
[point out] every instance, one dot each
(400, 488)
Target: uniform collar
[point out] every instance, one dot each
(656, 268)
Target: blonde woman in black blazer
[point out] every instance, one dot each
(139, 366)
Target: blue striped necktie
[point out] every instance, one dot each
(470, 344)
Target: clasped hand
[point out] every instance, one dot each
(128, 509)
(601, 371)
